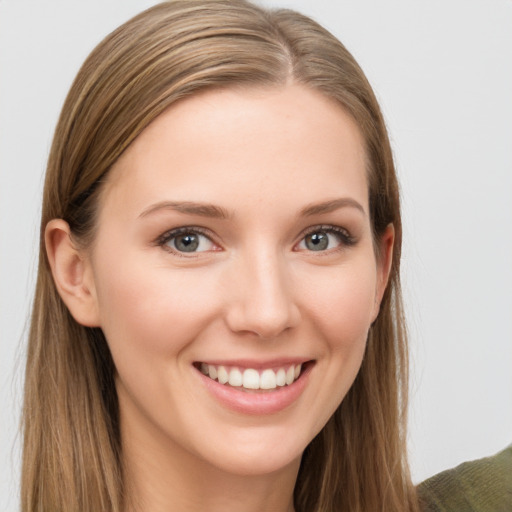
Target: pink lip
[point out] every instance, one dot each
(257, 403)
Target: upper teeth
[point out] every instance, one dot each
(250, 378)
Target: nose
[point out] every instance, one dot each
(262, 299)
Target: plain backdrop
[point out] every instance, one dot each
(442, 71)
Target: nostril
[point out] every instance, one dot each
(262, 321)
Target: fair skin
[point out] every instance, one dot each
(273, 267)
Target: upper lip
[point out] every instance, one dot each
(257, 364)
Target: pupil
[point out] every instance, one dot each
(186, 243)
(317, 241)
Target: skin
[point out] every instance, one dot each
(254, 291)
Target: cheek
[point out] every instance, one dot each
(342, 302)
(150, 311)
(150, 316)
(340, 308)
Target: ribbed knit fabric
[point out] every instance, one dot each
(483, 485)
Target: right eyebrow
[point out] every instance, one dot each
(188, 207)
(332, 205)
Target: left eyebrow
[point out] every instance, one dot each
(330, 206)
(188, 207)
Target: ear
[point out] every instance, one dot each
(384, 262)
(72, 273)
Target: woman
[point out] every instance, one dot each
(218, 321)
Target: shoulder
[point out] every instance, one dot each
(483, 485)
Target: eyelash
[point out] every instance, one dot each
(346, 239)
(166, 237)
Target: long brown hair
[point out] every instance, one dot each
(72, 451)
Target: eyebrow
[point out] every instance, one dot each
(188, 207)
(330, 206)
(217, 212)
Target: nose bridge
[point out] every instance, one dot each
(264, 301)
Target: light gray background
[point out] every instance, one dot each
(442, 70)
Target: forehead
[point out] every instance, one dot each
(220, 144)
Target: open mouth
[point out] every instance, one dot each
(253, 379)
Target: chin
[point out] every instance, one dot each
(258, 463)
(257, 451)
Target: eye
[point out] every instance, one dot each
(187, 240)
(324, 238)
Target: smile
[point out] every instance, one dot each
(255, 388)
(250, 378)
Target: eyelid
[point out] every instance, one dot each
(168, 235)
(347, 239)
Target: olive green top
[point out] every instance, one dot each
(483, 485)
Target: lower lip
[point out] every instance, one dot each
(257, 403)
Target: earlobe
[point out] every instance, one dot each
(384, 262)
(71, 273)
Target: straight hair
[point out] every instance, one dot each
(72, 453)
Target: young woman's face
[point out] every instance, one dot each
(234, 239)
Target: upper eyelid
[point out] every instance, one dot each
(346, 238)
(170, 233)
(324, 227)
(163, 240)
